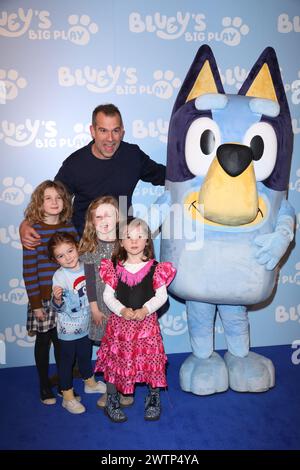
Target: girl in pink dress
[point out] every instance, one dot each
(132, 350)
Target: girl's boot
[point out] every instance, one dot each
(152, 405)
(112, 408)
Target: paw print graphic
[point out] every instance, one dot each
(15, 190)
(82, 136)
(10, 84)
(233, 30)
(165, 84)
(81, 28)
(10, 235)
(18, 294)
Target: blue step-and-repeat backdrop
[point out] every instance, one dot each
(60, 59)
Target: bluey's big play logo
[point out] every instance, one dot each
(290, 278)
(234, 77)
(43, 134)
(174, 325)
(157, 129)
(17, 293)
(294, 184)
(16, 334)
(191, 26)
(124, 80)
(285, 24)
(38, 25)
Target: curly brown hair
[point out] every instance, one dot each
(89, 240)
(34, 212)
(119, 253)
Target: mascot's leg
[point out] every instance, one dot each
(203, 372)
(248, 371)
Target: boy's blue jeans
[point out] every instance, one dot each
(80, 349)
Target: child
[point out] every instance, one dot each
(98, 241)
(132, 349)
(73, 316)
(49, 210)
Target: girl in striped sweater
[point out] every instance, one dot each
(49, 211)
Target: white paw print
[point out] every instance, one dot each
(15, 190)
(80, 30)
(18, 294)
(10, 235)
(233, 29)
(83, 136)
(165, 84)
(10, 84)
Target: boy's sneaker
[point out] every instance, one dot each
(99, 387)
(152, 406)
(125, 400)
(47, 397)
(60, 394)
(73, 406)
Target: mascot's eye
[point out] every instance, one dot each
(207, 142)
(202, 140)
(262, 139)
(257, 147)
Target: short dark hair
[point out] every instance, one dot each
(57, 239)
(108, 109)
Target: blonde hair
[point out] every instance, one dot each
(89, 240)
(34, 212)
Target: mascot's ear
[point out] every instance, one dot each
(264, 79)
(202, 77)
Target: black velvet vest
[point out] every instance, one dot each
(134, 297)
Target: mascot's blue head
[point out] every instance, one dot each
(256, 121)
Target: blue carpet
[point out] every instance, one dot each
(229, 420)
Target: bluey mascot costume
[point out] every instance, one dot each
(228, 166)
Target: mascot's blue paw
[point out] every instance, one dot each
(204, 376)
(253, 373)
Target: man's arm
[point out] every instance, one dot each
(29, 236)
(152, 172)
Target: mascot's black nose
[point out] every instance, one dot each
(234, 158)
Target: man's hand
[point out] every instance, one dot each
(140, 313)
(127, 313)
(39, 314)
(29, 236)
(57, 294)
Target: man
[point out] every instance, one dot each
(106, 166)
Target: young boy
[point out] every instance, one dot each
(73, 316)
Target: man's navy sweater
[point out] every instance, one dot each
(88, 177)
